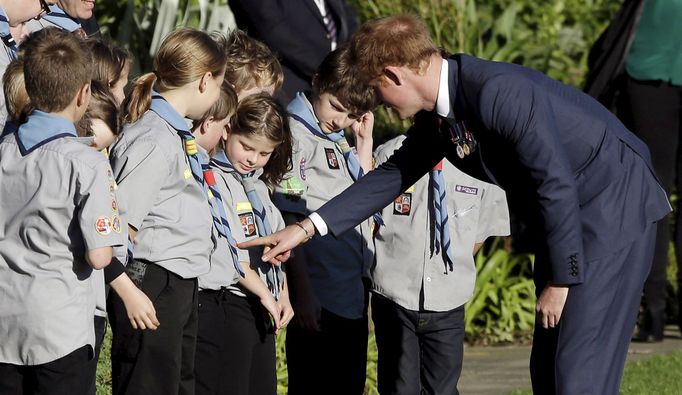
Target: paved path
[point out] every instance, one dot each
(498, 370)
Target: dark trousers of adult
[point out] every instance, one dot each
(235, 346)
(585, 353)
(64, 376)
(100, 331)
(419, 352)
(332, 361)
(656, 111)
(157, 361)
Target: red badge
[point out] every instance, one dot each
(209, 177)
(402, 205)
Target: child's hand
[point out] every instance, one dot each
(271, 305)
(362, 127)
(286, 311)
(140, 309)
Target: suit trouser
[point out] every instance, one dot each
(332, 361)
(656, 111)
(157, 361)
(586, 353)
(66, 375)
(419, 352)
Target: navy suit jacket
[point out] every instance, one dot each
(569, 167)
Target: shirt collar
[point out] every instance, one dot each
(40, 129)
(301, 110)
(163, 109)
(443, 107)
(220, 161)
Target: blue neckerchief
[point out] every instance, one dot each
(6, 35)
(441, 242)
(273, 274)
(198, 165)
(60, 18)
(40, 129)
(299, 110)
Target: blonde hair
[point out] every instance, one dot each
(251, 64)
(185, 55)
(14, 88)
(401, 40)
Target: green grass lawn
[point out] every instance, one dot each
(660, 375)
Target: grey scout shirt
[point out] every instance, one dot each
(160, 198)
(404, 263)
(336, 266)
(242, 222)
(56, 203)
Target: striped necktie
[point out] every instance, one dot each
(201, 173)
(441, 240)
(330, 24)
(6, 36)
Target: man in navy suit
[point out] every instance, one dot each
(569, 168)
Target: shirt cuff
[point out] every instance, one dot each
(319, 223)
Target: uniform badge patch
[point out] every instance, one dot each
(103, 225)
(248, 224)
(332, 162)
(188, 174)
(116, 224)
(301, 168)
(114, 205)
(466, 189)
(402, 205)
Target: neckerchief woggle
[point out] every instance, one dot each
(273, 274)
(200, 172)
(299, 110)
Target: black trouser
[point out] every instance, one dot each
(157, 361)
(331, 361)
(66, 375)
(656, 108)
(419, 352)
(235, 346)
(100, 331)
(586, 353)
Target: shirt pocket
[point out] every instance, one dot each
(464, 211)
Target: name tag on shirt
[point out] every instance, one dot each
(466, 189)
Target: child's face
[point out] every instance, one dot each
(212, 130)
(248, 153)
(117, 87)
(268, 89)
(104, 137)
(331, 114)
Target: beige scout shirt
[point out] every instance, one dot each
(404, 264)
(243, 226)
(160, 198)
(57, 202)
(336, 266)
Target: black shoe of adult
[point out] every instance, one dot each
(644, 337)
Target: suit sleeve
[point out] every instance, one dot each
(421, 150)
(523, 115)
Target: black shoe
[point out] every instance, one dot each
(644, 337)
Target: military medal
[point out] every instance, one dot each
(460, 151)
(466, 149)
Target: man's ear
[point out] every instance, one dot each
(204, 81)
(83, 96)
(394, 75)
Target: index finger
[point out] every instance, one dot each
(258, 241)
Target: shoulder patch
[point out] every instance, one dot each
(116, 224)
(103, 225)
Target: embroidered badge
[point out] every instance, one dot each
(114, 205)
(188, 174)
(103, 225)
(466, 189)
(301, 168)
(248, 224)
(116, 224)
(332, 162)
(402, 205)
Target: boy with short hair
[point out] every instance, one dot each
(425, 273)
(327, 343)
(59, 222)
(251, 66)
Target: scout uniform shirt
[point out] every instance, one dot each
(56, 201)
(335, 265)
(160, 198)
(404, 262)
(242, 221)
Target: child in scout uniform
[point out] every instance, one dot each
(327, 343)
(251, 66)
(57, 226)
(16, 99)
(171, 216)
(112, 66)
(425, 273)
(236, 346)
(102, 120)
(212, 127)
